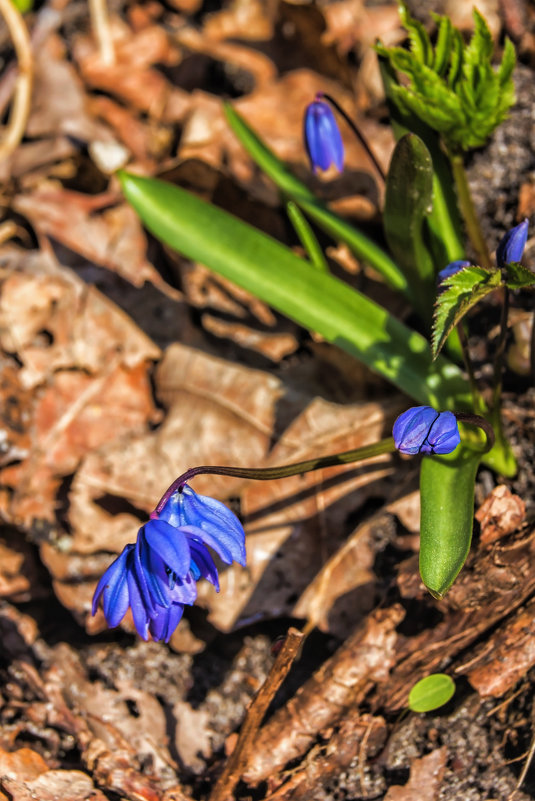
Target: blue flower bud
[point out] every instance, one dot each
(422, 429)
(452, 268)
(512, 245)
(323, 140)
(158, 575)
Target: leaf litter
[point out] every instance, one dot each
(123, 365)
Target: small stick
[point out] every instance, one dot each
(20, 109)
(255, 714)
(98, 11)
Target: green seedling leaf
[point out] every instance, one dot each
(314, 299)
(453, 88)
(363, 247)
(23, 5)
(431, 692)
(408, 201)
(458, 294)
(307, 237)
(519, 277)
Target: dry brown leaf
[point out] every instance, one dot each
(111, 237)
(425, 780)
(500, 514)
(132, 78)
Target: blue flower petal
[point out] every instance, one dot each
(170, 544)
(422, 429)
(214, 518)
(202, 564)
(151, 575)
(163, 624)
(512, 245)
(322, 136)
(137, 604)
(452, 268)
(113, 589)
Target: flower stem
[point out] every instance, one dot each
(270, 473)
(357, 133)
(468, 211)
(479, 404)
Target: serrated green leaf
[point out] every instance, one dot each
(508, 63)
(456, 59)
(443, 45)
(420, 43)
(408, 201)
(459, 293)
(431, 692)
(519, 277)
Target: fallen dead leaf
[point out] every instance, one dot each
(425, 779)
(500, 514)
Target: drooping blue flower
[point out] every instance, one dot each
(323, 140)
(422, 429)
(452, 268)
(158, 575)
(512, 245)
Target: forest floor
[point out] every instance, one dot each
(123, 364)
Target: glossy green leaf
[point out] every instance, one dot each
(431, 692)
(331, 223)
(446, 516)
(408, 201)
(314, 299)
(459, 293)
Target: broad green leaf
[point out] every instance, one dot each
(431, 693)
(519, 277)
(459, 293)
(314, 299)
(408, 201)
(335, 226)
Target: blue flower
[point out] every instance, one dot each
(158, 575)
(323, 140)
(512, 245)
(422, 429)
(452, 268)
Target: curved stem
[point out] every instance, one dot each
(480, 422)
(357, 133)
(468, 211)
(270, 473)
(23, 86)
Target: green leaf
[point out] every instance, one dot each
(316, 300)
(307, 237)
(519, 277)
(459, 293)
(466, 106)
(408, 201)
(431, 692)
(420, 43)
(363, 247)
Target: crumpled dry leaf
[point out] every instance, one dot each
(125, 751)
(425, 780)
(111, 237)
(500, 514)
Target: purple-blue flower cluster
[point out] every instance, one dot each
(421, 429)
(157, 576)
(323, 140)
